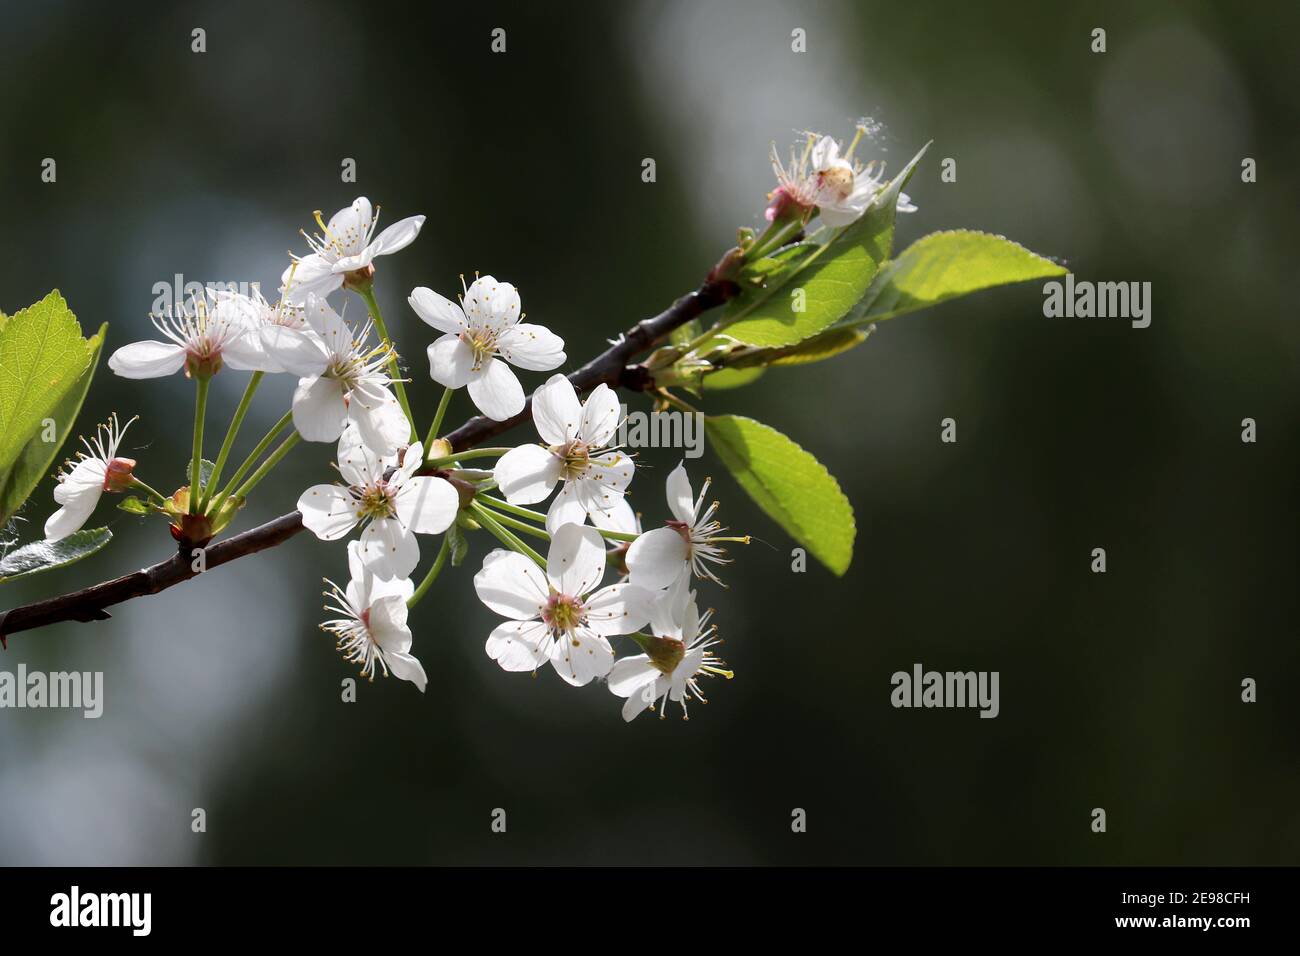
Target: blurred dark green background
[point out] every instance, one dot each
(1119, 691)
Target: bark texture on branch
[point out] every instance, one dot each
(611, 367)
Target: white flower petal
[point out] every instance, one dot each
(518, 645)
(619, 518)
(358, 462)
(404, 666)
(657, 558)
(533, 347)
(309, 276)
(396, 237)
(69, 518)
(581, 657)
(427, 505)
(681, 502)
(835, 217)
(557, 411)
(350, 228)
(567, 508)
(497, 392)
(328, 325)
(78, 493)
(511, 585)
(378, 418)
(147, 360)
(619, 609)
(387, 623)
(318, 409)
(600, 415)
(825, 153)
(328, 511)
(645, 695)
(527, 474)
(296, 351)
(388, 549)
(575, 562)
(86, 476)
(439, 312)
(492, 304)
(245, 353)
(630, 674)
(451, 362)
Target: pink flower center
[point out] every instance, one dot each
(563, 613)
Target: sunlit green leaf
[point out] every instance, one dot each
(33, 461)
(43, 357)
(132, 505)
(946, 265)
(789, 484)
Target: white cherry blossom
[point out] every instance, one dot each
(593, 481)
(348, 244)
(835, 184)
(480, 339)
(277, 337)
(352, 388)
(690, 542)
(201, 339)
(559, 615)
(97, 470)
(372, 629)
(395, 508)
(675, 658)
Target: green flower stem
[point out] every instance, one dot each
(262, 446)
(367, 294)
(466, 455)
(498, 505)
(523, 526)
(231, 432)
(433, 573)
(137, 483)
(196, 461)
(505, 506)
(274, 459)
(437, 418)
(511, 541)
(774, 237)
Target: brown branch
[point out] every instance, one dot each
(611, 367)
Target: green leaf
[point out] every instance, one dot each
(205, 472)
(731, 377)
(945, 265)
(35, 458)
(46, 555)
(42, 358)
(789, 484)
(772, 268)
(134, 506)
(820, 347)
(746, 368)
(457, 544)
(832, 279)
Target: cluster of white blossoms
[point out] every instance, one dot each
(394, 489)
